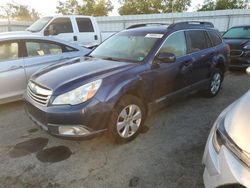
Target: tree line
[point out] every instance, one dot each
(127, 7)
(18, 12)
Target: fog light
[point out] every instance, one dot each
(72, 130)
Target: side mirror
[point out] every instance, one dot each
(46, 32)
(248, 71)
(165, 57)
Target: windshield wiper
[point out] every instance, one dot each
(110, 59)
(87, 55)
(32, 31)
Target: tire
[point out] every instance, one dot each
(127, 119)
(214, 84)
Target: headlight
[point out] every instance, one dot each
(247, 47)
(217, 137)
(221, 138)
(78, 95)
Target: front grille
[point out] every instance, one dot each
(38, 94)
(236, 53)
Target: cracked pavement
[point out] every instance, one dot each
(167, 154)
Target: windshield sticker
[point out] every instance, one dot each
(140, 58)
(154, 35)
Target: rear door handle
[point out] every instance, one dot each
(14, 67)
(65, 58)
(75, 38)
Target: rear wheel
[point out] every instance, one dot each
(215, 83)
(127, 119)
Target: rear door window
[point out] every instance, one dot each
(8, 51)
(215, 38)
(175, 44)
(196, 40)
(84, 25)
(35, 48)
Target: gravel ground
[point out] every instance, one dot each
(167, 153)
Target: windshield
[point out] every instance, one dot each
(238, 33)
(39, 24)
(126, 46)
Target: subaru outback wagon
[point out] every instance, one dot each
(119, 81)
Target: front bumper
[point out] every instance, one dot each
(223, 168)
(242, 61)
(91, 116)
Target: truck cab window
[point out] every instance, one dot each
(59, 25)
(84, 25)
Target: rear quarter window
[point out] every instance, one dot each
(215, 38)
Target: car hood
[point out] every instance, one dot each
(237, 122)
(236, 44)
(65, 76)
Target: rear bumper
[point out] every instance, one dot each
(92, 117)
(223, 168)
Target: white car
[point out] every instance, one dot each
(227, 154)
(21, 56)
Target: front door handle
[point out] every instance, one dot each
(75, 38)
(188, 63)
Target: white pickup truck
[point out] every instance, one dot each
(82, 30)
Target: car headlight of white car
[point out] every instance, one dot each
(221, 138)
(78, 95)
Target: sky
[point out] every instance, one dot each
(48, 7)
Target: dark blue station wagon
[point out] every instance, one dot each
(119, 81)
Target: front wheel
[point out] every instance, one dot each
(127, 119)
(215, 83)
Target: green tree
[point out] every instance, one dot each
(207, 5)
(223, 4)
(85, 7)
(18, 12)
(140, 7)
(102, 8)
(152, 6)
(68, 7)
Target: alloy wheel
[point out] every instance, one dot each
(129, 121)
(215, 83)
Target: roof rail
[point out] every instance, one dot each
(191, 24)
(145, 25)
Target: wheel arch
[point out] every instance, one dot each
(220, 64)
(134, 87)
